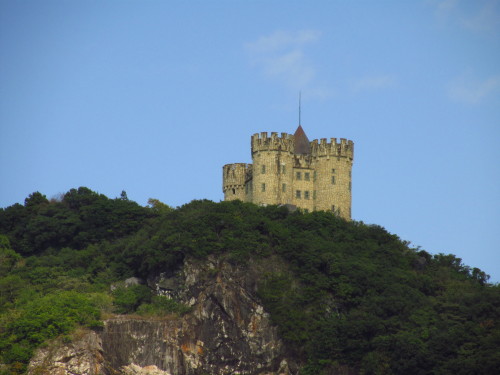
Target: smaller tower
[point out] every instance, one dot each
(234, 177)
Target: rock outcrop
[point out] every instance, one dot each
(226, 332)
(83, 356)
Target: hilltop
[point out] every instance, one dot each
(273, 291)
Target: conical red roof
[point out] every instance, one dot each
(302, 145)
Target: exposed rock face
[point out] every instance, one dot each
(226, 332)
(83, 356)
(133, 369)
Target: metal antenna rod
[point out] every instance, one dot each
(300, 95)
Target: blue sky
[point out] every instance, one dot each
(154, 97)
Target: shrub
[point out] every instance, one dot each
(161, 306)
(128, 299)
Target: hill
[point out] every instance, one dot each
(343, 297)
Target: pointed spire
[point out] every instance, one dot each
(302, 145)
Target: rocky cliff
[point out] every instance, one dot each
(226, 332)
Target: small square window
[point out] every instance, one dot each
(306, 176)
(298, 194)
(333, 170)
(306, 194)
(298, 176)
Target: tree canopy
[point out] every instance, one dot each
(352, 294)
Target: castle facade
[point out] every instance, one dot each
(290, 170)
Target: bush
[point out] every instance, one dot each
(42, 319)
(161, 306)
(128, 299)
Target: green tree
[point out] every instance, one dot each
(128, 299)
(159, 207)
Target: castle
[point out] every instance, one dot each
(290, 170)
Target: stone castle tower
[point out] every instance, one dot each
(291, 170)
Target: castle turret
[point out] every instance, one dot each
(234, 177)
(333, 166)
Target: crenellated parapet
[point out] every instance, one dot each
(344, 148)
(236, 174)
(262, 142)
(302, 160)
(234, 177)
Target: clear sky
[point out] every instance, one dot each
(154, 97)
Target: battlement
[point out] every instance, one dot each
(286, 142)
(302, 160)
(262, 142)
(344, 148)
(236, 175)
(290, 169)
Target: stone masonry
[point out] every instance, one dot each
(291, 170)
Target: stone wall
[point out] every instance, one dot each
(272, 169)
(333, 185)
(233, 181)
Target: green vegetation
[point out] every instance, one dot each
(45, 318)
(161, 306)
(352, 294)
(128, 299)
(54, 275)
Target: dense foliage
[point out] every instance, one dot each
(54, 275)
(79, 218)
(351, 294)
